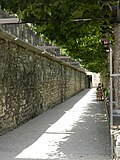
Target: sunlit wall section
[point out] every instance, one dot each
(32, 81)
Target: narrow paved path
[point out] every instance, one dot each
(74, 130)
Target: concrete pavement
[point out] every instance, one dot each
(74, 130)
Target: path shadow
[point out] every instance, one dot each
(52, 135)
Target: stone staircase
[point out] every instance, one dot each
(23, 31)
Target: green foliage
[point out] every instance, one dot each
(55, 19)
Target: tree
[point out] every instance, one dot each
(75, 26)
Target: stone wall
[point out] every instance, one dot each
(31, 82)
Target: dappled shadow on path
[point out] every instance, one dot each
(76, 128)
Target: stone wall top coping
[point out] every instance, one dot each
(7, 36)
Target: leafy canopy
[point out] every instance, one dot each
(75, 26)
